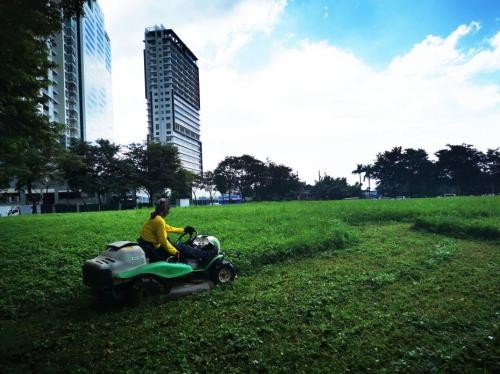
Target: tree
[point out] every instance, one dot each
(182, 186)
(329, 188)
(224, 180)
(389, 170)
(102, 167)
(278, 183)
(36, 165)
(492, 168)
(460, 166)
(406, 172)
(95, 168)
(72, 163)
(27, 27)
(157, 166)
(125, 179)
(239, 173)
(418, 173)
(359, 170)
(251, 177)
(208, 184)
(196, 185)
(368, 170)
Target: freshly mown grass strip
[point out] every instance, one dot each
(486, 228)
(398, 300)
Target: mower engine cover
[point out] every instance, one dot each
(118, 257)
(204, 240)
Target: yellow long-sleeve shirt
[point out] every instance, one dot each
(156, 231)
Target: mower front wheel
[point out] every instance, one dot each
(222, 273)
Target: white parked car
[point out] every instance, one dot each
(14, 212)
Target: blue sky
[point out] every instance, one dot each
(378, 30)
(321, 85)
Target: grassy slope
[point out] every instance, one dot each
(395, 299)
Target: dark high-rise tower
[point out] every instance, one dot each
(173, 95)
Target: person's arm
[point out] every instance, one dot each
(174, 230)
(161, 234)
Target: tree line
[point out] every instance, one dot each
(267, 181)
(458, 169)
(103, 168)
(254, 179)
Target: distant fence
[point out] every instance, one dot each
(93, 207)
(73, 208)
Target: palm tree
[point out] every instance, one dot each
(368, 170)
(359, 170)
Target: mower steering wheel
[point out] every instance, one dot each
(189, 240)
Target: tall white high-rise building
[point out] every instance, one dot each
(173, 95)
(80, 92)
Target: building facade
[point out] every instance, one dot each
(96, 61)
(80, 92)
(173, 95)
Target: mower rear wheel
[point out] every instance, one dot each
(146, 289)
(223, 272)
(106, 297)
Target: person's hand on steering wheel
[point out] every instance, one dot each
(189, 230)
(188, 236)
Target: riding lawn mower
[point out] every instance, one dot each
(122, 273)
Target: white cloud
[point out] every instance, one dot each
(311, 106)
(218, 39)
(317, 107)
(434, 56)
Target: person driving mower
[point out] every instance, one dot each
(154, 237)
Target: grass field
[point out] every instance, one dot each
(405, 285)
